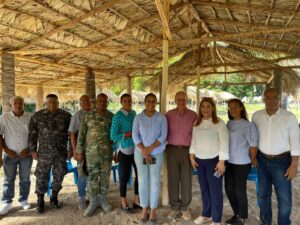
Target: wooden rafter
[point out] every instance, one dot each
(244, 7)
(164, 18)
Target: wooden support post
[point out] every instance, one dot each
(8, 80)
(198, 93)
(90, 86)
(185, 88)
(277, 83)
(129, 85)
(163, 99)
(39, 98)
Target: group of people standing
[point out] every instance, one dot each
(201, 142)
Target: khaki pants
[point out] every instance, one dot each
(180, 173)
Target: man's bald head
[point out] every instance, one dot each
(181, 100)
(85, 103)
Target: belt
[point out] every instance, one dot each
(179, 146)
(279, 156)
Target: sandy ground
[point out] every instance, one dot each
(70, 214)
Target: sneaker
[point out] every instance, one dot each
(25, 205)
(232, 221)
(82, 203)
(186, 215)
(202, 220)
(173, 214)
(5, 208)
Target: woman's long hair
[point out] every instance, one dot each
(215, 118)
(244, 114)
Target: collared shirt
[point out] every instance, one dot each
(48, 131)
(122, 123)
(278, 133)
(210, 140)
(15, 130)
(242, 135)
(76, 121)
(180, 127)
(147, 130)
(94, 133)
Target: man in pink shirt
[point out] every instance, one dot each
(180, 126)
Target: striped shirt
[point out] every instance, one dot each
(242, 135)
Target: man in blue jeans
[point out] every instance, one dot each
(277, 157)
(14, 140)
(85, 106)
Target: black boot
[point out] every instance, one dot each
(54, 201)
(40, 203)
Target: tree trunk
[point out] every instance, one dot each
(8, 80)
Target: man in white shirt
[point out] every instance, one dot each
(14, 140)
(277, 157)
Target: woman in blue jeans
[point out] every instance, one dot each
(149, 134)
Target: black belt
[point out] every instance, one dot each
(178, 146)
(280, 156)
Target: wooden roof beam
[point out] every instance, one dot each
(244, 7)
(258, 48)
(231, 36)
(164, 18)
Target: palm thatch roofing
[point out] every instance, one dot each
(56, 41)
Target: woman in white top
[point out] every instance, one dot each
(208, 152)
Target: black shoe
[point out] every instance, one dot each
(40, 203)
(54, 202)
(136, 206)
(232, 221)
(241, 222)
(126, 209)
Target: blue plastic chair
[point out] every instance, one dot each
(71, 169)
(115, 167)
(253, 176)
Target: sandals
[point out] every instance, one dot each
(153, 221)
(144, 219)
(126, 209)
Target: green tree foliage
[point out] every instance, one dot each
(239, 91)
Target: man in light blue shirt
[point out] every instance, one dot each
(85, 106)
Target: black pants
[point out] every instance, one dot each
(125, 162)
(236, 188)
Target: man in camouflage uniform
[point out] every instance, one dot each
(94, 141)
(48, 141)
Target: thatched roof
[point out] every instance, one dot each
(55, 41)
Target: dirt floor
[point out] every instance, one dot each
(70, 214)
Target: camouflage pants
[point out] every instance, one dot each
(58, 164)
(99, 167)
